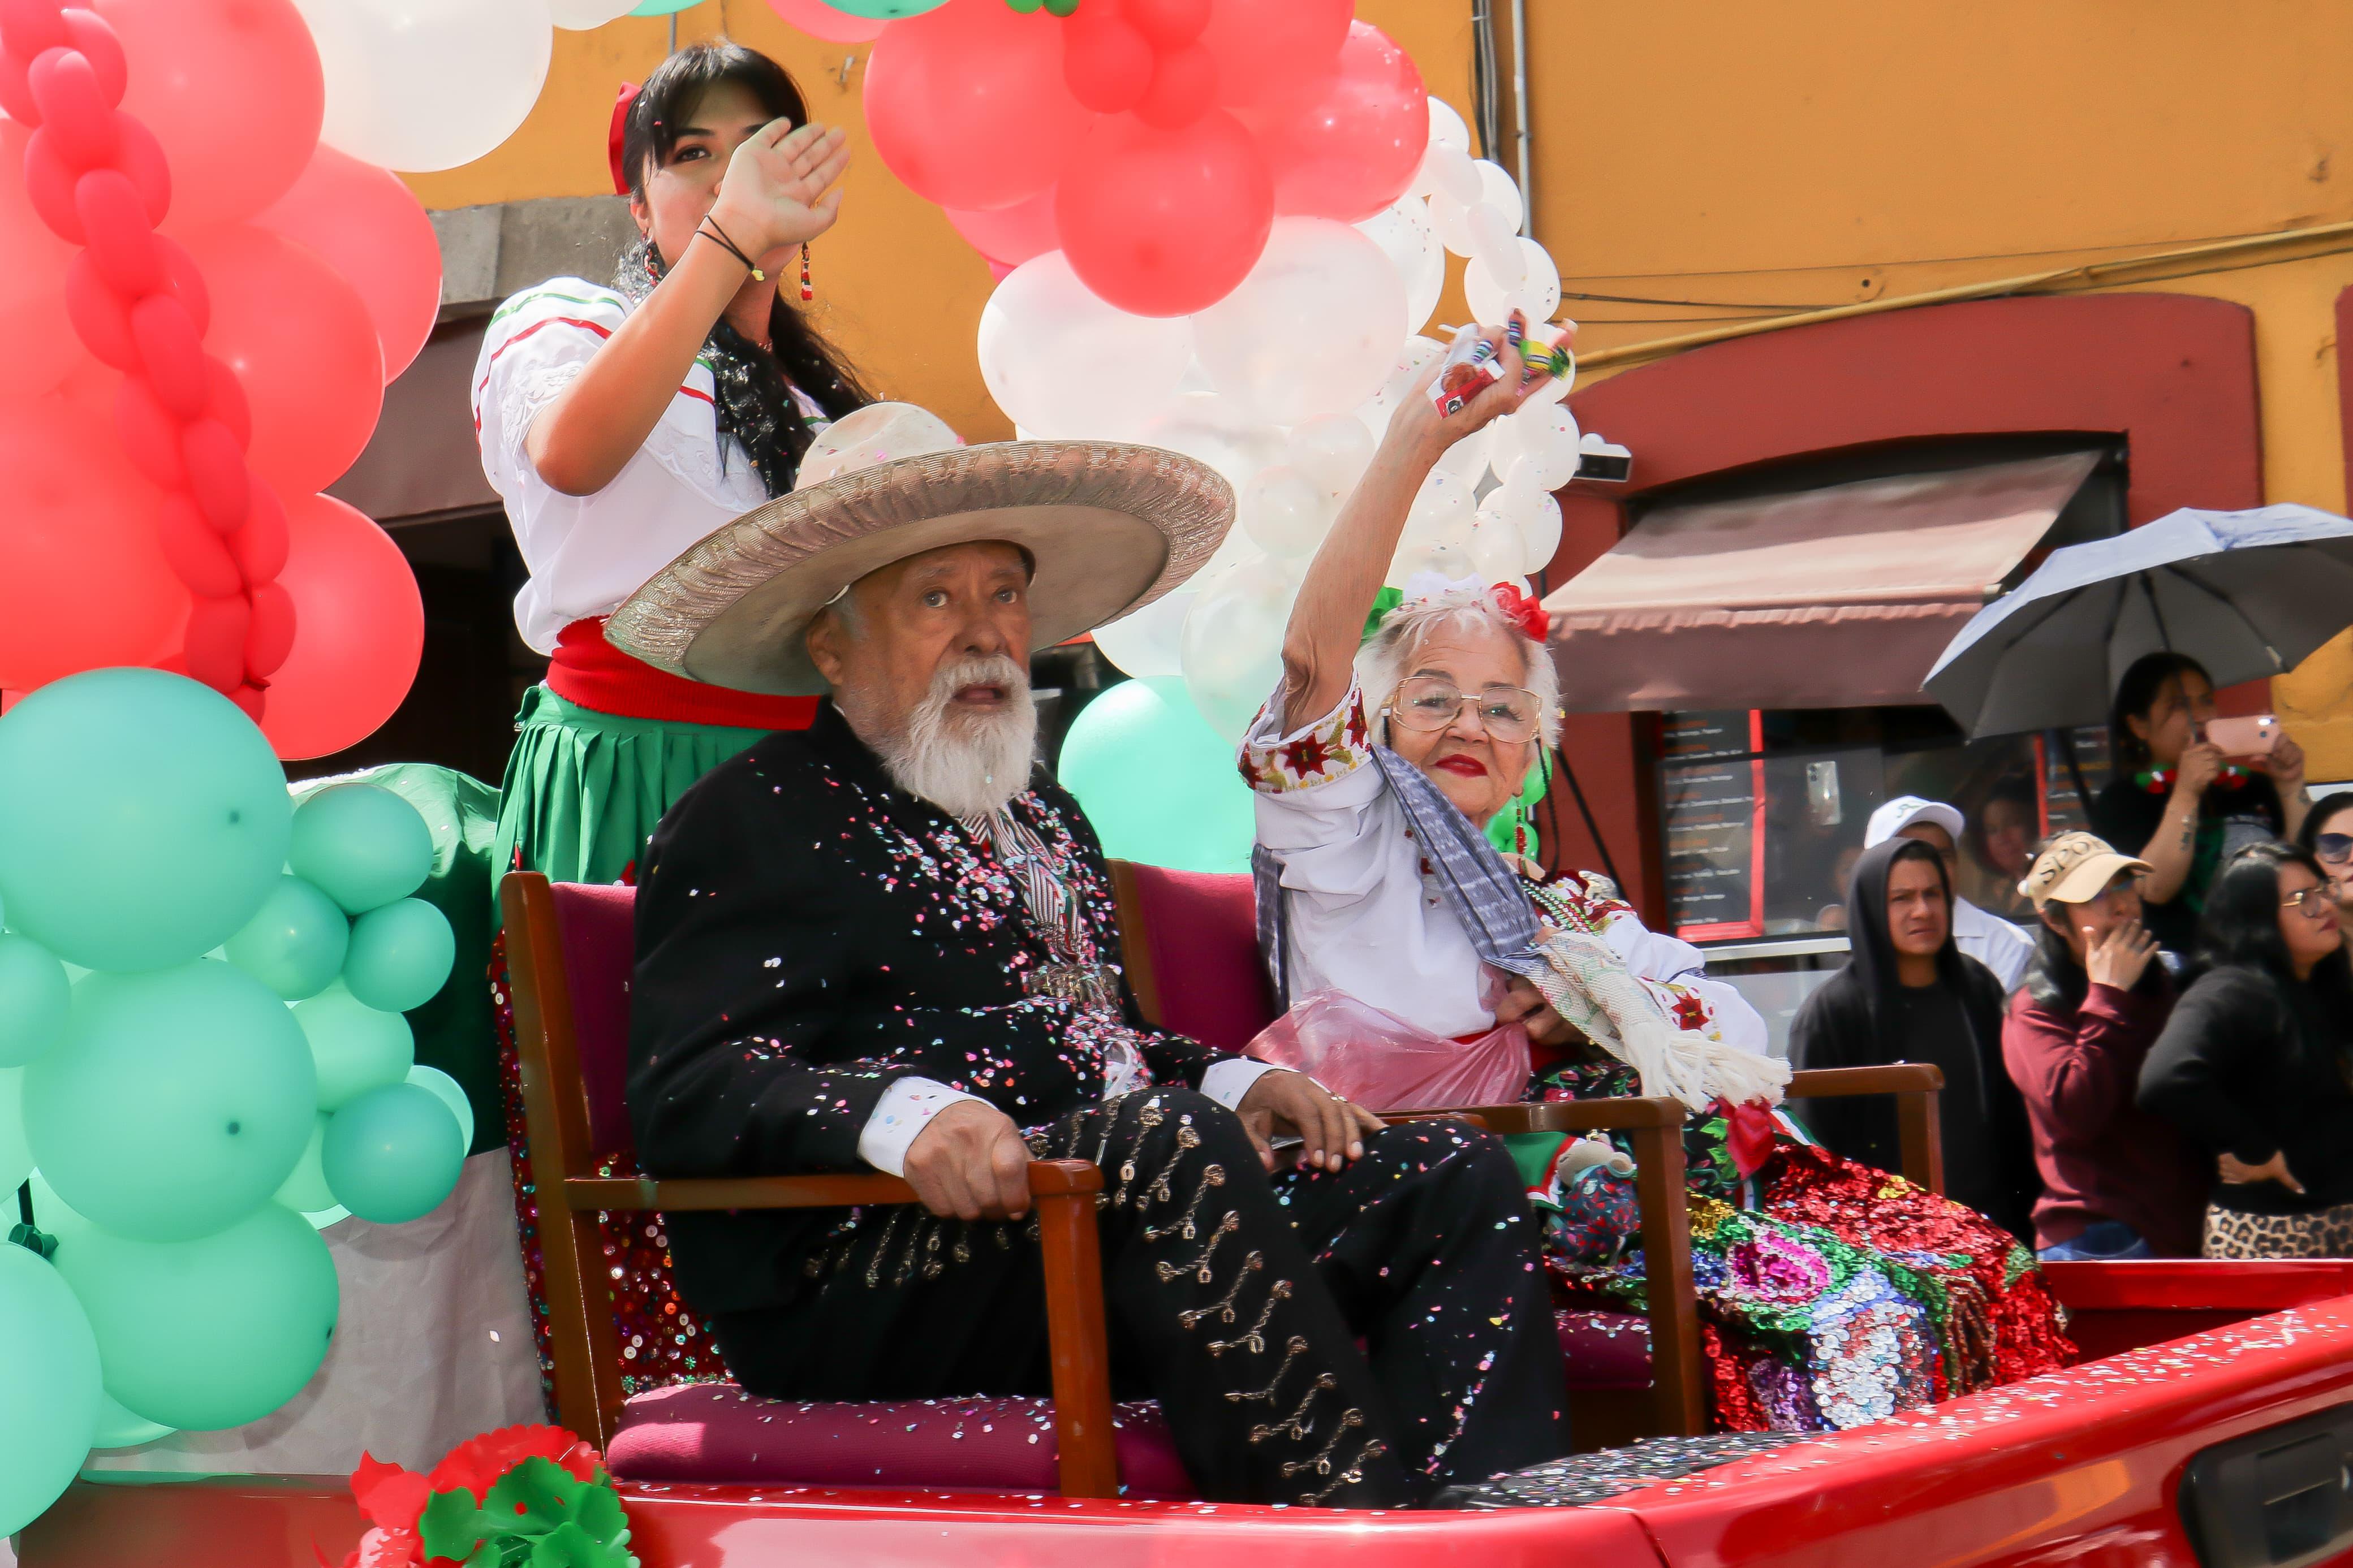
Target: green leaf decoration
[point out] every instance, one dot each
(535, 1497)
(453, 1527)
(569, 1546)
(537, 1515)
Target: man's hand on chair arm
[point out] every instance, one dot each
(969, 1163)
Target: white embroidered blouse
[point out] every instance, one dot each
(1363, 912)
(588, 554)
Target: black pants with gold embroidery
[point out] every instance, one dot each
(1236, 1301)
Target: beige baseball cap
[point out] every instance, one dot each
(2073, 869)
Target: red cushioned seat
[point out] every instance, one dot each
(717, 1433)
(1604, 1350)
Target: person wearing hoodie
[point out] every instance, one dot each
(1990, 940)
(1908, 995)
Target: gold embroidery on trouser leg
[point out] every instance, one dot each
(1225, 1308)
(1296, 1426)
(1211, 1176)
(1150, 1117)
(906, 1269)
(962, 1250)
(1354, 1474)
(1291, 1353)
(881, 1247)
(1188, 1140)
(932, 1237)
(1322, 1463)
(1253, 1338)
(1199, 1267)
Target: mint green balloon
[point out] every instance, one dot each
(142, 818)
(35, 997)
(304, 1190)
(118, 1428)
(355, 1047)
(179, 1102)
(361, 845)
(296, 943)
(393, 1154)
(16, 1152)
(400, 955)
(887, 10)
(1156, 782)
(208, 1333)
(445, 1089)
(48, 1386)
(662, 7)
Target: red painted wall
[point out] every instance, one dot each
(2172, 373)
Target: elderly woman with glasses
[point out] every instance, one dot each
(1405, 728)
(2256, 1063)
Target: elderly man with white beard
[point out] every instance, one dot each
(888, 942)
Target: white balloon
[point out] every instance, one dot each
(1061, 362)
(1495, 189)
(1441, 514)
(1495, 245)
(1489, 302)
(1467, 459)
(1542, 287)
(878, 433)
(1284, 512)
(1545, 440)
(1450, 562)
(1217, 431)
(1333, 453)
(1446, 127)
(1311, 331)
(1446, 172)
(1410, 240)
(1540, 535)
(419, 85)
(1411, 361)
(1452, 221)
(1232, 648)
(581, 15)
(1496, 547)
(1148, 642)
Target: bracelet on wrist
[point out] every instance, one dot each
(709, 229)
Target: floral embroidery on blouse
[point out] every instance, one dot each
(1592, 905)
(1332, 748)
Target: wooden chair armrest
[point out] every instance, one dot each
(1047, 1178)
(1569, 1115)
(1919, 1135)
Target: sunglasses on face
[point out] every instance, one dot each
(2334, 847)
(1429, 702)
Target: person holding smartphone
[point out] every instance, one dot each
(2116, 1182)
(2178, 800)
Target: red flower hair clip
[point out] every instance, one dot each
(614, 137)
(1525, 613)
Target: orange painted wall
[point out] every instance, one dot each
(896, 287)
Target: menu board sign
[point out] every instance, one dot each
(1711, 791)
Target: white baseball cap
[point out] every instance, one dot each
(1906, 809)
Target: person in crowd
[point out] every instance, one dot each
(2327, 834)
(2116, 1182)
(1376, 763)
(1908, 995)
(1991, 940)
(2000, 843)
(2177, 801)
(885, 944)
(2253, 1065)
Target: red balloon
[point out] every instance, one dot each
(301, 341)
(1352, 149)
(1267, 48)
(36, 257)
(233, 90)
(967, 103)
(366, 226)
(819, 20)
(1011, 235)
(1184, 85)
(1165, 223)
(359, 631)
(1170, 24)
(83, 581)
(1107, 63)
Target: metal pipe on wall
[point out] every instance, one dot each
(1520, 115)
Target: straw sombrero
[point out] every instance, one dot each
(1110, 528)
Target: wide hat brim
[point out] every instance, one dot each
(1109, 527)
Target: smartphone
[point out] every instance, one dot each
(2245, 737)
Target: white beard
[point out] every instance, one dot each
(967, 765)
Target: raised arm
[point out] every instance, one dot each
(1327, 620)
(779, 191)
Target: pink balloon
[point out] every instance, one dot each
(967, 103)
(301, 341)
(1264, 47)
(232, 88)
(83, 581)
(1350, 150)
(1011, 235)
(36, 257)
(359, 631)
(365, 225)
(1165, 223)
(819, 20)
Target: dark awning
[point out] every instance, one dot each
(1840, 596)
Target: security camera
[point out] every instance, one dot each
(1599, 460)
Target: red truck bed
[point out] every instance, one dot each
(2080, 1467)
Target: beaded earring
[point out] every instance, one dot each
(808, 291)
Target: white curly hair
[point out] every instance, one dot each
(1432, 606)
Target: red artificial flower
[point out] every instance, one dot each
(1530, 617)
(478, 1463)
(392, 1499)
(1750, 1135)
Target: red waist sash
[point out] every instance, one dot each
(592, 672)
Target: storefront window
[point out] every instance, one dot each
(1765, 811)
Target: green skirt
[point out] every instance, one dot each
(585, 790)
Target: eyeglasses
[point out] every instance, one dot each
(2334, 847)
(2316, 902)
(1429, 702)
